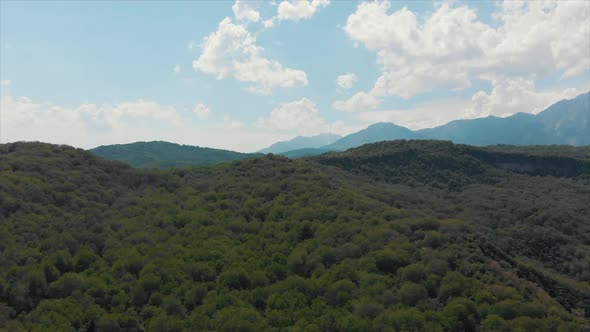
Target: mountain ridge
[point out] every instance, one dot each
(301, 142)
(566, 122)
(521, 128)
(161, 154)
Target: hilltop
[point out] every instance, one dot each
(158, 154)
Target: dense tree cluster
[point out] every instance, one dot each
(398, 236)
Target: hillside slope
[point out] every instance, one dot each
(518, 129)
(158, 154)
(565, 122)
(360, 240)
(569, 120)
(301, 142)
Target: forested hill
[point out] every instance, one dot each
(402, 236)
(444, 164)
(158, 154)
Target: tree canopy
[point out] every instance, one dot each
(392, 236)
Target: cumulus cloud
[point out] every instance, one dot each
(421, 115)
(5, 82)
(24, 119)
(360, 101)
(177, 69)
(232, 51)
(296, 10)
(90, 125)
(231, 124)
(346, 81)
(269, 23)
(300, 115)
(246, 10)
(508, 96)
(452, 46)
(202, 111)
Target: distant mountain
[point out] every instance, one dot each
(569, 120)
(301, 142)
(383, 131)
(565, 122)
(518, 129)
(158, 154)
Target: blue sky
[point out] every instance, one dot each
(89, 73)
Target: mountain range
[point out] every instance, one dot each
(302, 142)
(566, 122)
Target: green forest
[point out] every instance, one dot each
(391, 236)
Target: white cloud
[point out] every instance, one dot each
(296, 10)
(302, 117)
(506, 98)
(269, 23)
(90, 125)
(202, 111)
(246, 10)
(422, 115)
(452, 46)
(346, 81)
(510, 96)
(177, 68)
(24, 119)
(360, 101)
(300, 114)
(232, 51)
(231, 124)
(259, 90)
(5, 82)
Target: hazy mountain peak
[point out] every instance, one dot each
(382, 131)
(302, 142)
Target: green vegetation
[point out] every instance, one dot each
(579, 152)
(303, 153)
(393, 236)
(159, 154)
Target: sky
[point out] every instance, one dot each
(242, 75)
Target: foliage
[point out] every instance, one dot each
(398, 236)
